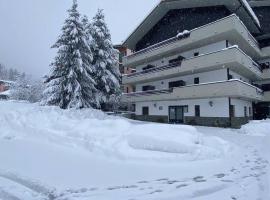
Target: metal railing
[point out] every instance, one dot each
(155, 69)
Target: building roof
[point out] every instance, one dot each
(5, 93)
(7, 82)
(240, 7)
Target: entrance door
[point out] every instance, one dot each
(176, 114)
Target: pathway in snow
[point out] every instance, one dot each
(245, 181)
(236, 183)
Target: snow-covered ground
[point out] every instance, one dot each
(50, 154)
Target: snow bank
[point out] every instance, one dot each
(165, 138)
(257, 128)
(109, 136)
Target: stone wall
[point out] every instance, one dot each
(236, 122)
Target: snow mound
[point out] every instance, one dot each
(256, 128)
(95, 132)
(165, 138)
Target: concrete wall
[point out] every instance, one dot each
(239, 107)
(220, 107)
(237, 76)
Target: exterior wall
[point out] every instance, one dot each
(239, 107)
(188, 54)
(2, 88)
(237, 76)
(219, 109)
(218, 75)
(178, 20)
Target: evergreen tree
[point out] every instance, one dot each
(70, 84)
(105, 61)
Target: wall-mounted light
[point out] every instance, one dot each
(155, 105)
(211, 103)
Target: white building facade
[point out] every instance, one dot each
(214, 74)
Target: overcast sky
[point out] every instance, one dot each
(30, 27)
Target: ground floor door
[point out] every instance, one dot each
(176, 114)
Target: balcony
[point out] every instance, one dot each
(266, 96)
(232, 58)
(229, 28)
(232, 88)
(266, 74)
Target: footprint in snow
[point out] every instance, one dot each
(156, 191)
(141, 182)
(181, 186)
(162, 179)
(221, 175)
(199, 179)
(122, 187)
(172, 182)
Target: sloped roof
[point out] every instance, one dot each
(240, 7)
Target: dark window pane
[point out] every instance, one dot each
(176, 84)
(197, 111)
(197, 80)
(148, 88)
(145, 111)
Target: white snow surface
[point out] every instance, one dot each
(103, 135)
(257, 128)
(52, 154)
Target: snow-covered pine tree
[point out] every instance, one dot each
(70, 84)
(105, 61)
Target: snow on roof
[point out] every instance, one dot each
(7, 93)
(6, 81)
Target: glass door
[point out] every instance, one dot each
(176, 114)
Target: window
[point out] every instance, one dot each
(176, 84)
(197, 111)
(127, 90)
(160, 108)
(227, 44)
(232, 111)
(148, 67)
(196, 54)
(250, 111)
(197, 80)
(145, 111)
(185, 109)
(266, 87)
(148, 87)
(176, 61)
(245, 111)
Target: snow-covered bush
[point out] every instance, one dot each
(26, 89)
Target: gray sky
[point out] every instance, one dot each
(30, 27)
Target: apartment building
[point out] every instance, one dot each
(201, 63)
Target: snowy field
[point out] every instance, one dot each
(50, 154)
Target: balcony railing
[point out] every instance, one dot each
(230, 28)
(232, 57)
(155, 69)
(232, 88)
(160, 44)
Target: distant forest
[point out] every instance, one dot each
(10, 74)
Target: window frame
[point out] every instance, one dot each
(197, 111)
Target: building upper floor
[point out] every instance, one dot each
(162, 33)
